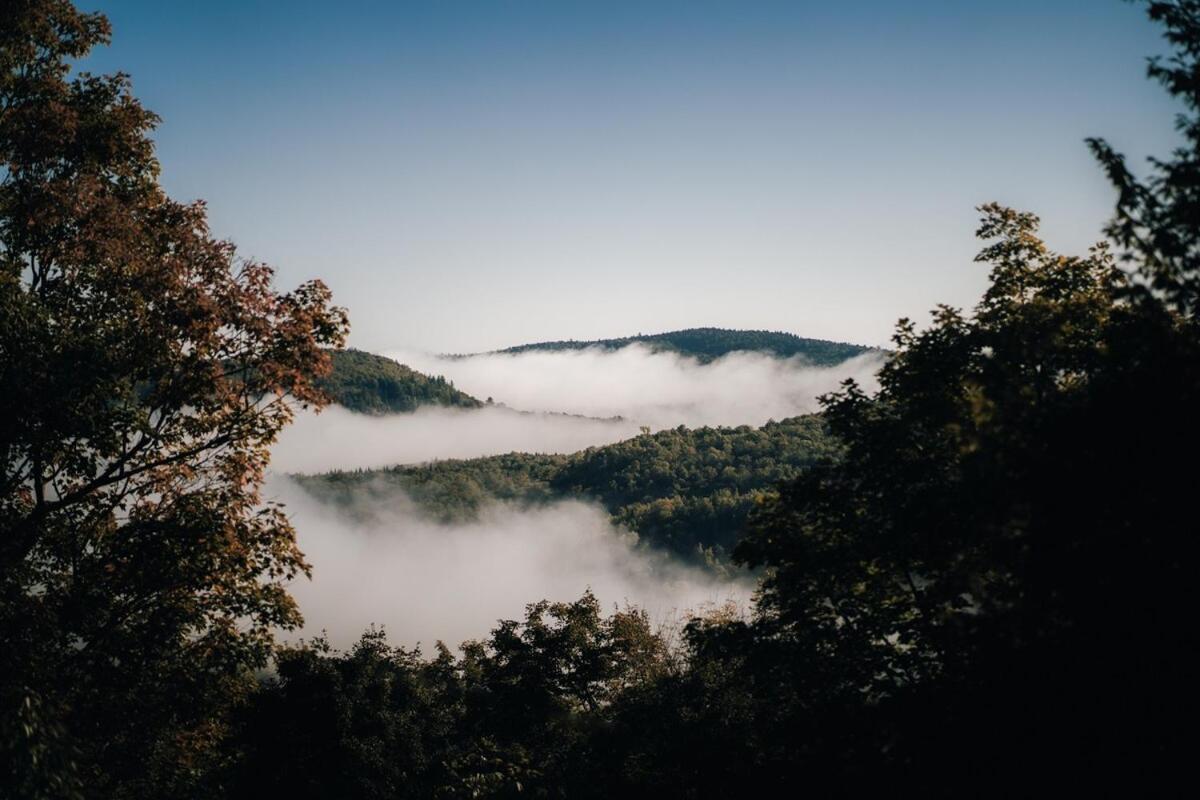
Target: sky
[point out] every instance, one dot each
(468, 176)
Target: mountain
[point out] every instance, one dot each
(689, 491)
(372, 384)
(707, 344)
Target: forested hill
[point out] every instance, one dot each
(372, 384)
(689, 491)
(706, 344)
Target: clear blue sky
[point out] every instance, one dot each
(473, 175)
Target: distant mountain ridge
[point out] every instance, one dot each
(371, 384)
(707, 344)
(374, 384)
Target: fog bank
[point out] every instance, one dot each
(340, 439)
(659, 389)
(426, 581)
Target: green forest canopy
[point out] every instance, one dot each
(372, 384)
(689, 491)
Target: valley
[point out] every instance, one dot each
(408, 475)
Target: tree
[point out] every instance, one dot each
(1157, 220)
(376, 722)
(999, 567)
(520, 714)
(144, 370)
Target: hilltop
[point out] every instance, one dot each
(371, 384)
(686, 490)
(706, 344)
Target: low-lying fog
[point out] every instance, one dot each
(659, 389)
(340, 439)
(425, 581)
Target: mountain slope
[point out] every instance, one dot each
(372, 384)
(689, 491)
(707, 344)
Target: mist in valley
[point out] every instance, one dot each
(570, 400)
(655, 388)
(424, 581)
(336, 438)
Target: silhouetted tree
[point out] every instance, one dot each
(999, 566)
(516, 716)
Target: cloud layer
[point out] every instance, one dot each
(340, 439)
(425, 581)
(659, 389)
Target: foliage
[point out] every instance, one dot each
(510, 717)
(374, 384)
(707, 344)
(1156, 220)
(447, 491)
(144, 370)
(691, 490)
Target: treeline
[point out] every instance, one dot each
(567, 702)
(689, 491)
(372, 384)
(449, 491)
(706, 344)
(549, 706)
